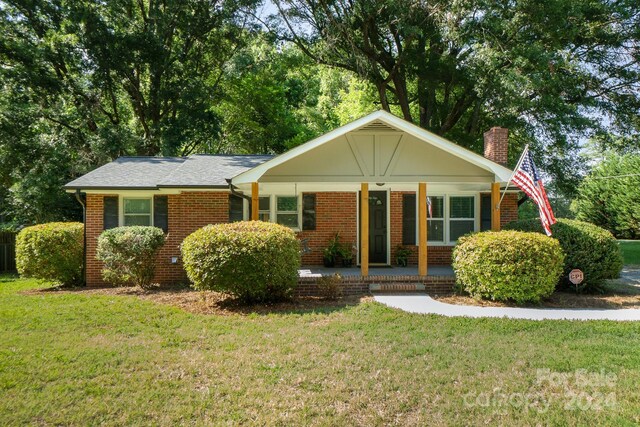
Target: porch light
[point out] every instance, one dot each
(379, 184)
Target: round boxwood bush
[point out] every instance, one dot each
(587, 247)
(251, 260)
(508, 265)
(129, 254)
(52, 251)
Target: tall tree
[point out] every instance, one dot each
(547, 69)
(85, 81)
(609, 195)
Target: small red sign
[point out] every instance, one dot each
(576, 276)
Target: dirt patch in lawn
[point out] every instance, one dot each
(207, 302)
(617, 295)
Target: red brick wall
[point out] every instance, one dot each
(496, 144)
(436, 255)
(509, 208)
(336, 212)
(187, 212)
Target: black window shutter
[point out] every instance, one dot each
(235, 208)
(161, 212)
(110, 212)
(485, 212)
(308, 211)
(408, 219)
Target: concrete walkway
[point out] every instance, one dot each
(424, 304)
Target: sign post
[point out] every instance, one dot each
(576, 277)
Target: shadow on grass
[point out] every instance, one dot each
(208, 302)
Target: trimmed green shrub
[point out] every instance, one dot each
(587, 247)
(508, 265)
(129, 254)
(52, 251)
(252, 260)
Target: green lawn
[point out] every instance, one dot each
(630, 251)
(78, 359)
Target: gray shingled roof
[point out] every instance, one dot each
(154, 172)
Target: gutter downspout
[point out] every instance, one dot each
(235, 192)
(84, 235)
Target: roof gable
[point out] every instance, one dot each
(382, 124)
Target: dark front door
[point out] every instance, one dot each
(378, 227)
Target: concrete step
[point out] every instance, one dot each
(396, 287)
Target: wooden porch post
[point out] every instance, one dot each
(495, 208)
(422, 229)
(364, 229)
(255, 201)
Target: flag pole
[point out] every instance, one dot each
(515, 170)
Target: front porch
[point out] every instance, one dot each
(440, 280)
(376, 273)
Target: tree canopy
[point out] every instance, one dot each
(85, 81)
(549, 70)
(609, 196)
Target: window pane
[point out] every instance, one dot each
(462, 207)
(459, 228)
(236, 205)
(263, 216)
(137, 206)
(437, 206)
(290, 220)
(137, 220)
(435, 230)
(288, 204)
(264, 203)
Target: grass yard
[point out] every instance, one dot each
(630, 251)
(79, 358)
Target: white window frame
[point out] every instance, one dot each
(274, 216)
(447, 217)
(270, 210)
(444, 222)
(122, 214)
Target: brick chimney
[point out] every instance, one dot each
(496, 144)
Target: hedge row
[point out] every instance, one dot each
(587, 247)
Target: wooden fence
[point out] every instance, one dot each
(7, 252)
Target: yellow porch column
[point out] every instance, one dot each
(495, 209)
(255, 201)
(422, 229)
(364, 229)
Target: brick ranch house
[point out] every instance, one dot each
(421, 191)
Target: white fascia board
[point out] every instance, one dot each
(157, 192)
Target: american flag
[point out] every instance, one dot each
(527, 178)
(430, 207)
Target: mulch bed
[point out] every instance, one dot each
(207, 302)
(616, 296)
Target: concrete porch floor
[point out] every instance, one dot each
(317, 271)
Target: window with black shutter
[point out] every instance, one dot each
(161, 212)
(236, 211)
(408, 219)
(110, 212)
(308, 211)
